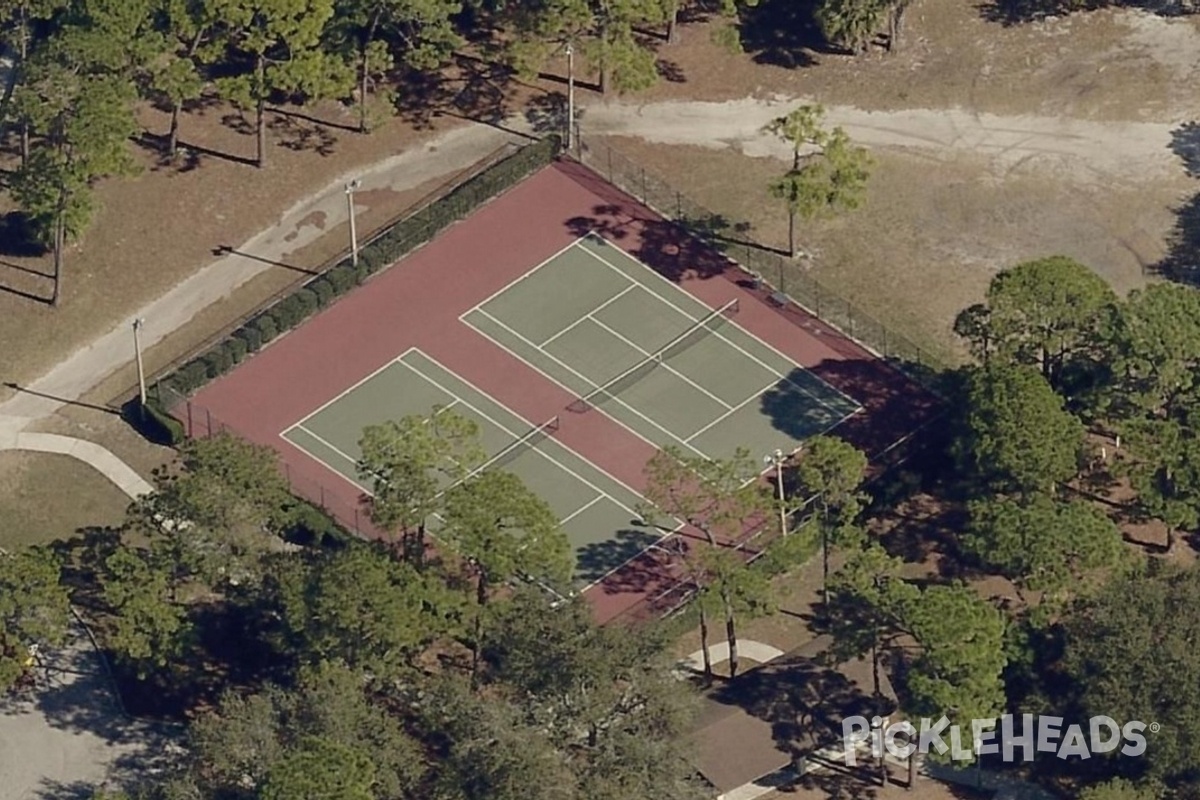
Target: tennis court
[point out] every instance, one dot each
(595, 508)
(672, 370)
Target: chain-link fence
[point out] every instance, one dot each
(774, 270)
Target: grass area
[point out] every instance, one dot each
(45, 497)
(932, 231)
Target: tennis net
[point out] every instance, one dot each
(698, 332)
(523, 444)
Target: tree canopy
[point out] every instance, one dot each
(1017, 436)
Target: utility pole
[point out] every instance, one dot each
(137, 351)
(570, 98)
(777, 460)
(352, 187)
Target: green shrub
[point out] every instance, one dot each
(153, 422)
(237, 348)
(251, 336)
(342, 277)
(164, 425)
(371, 260)
(218, 361)
(268, 329)
(307, 525)
(323, 290)
(191, 376)
(286, 313)
(306, 303)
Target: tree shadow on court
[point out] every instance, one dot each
(597, 559)
(669, 248)
(893, 405)
(655, 573)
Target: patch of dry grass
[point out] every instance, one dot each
(44, 497)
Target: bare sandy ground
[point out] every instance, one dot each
(1082, 151)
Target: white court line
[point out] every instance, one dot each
(588, 315)
(569, 390)
(675, 289)
(662, 363)
(342, 394)
(580, 375)
(583, 508)
(322, 461)
(734, 409)
(544, 455)
(508, 286)
(328, 444)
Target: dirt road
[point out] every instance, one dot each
(1083, 151)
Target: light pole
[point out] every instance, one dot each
(137, 352)
(352, 187)
(570, 98)
(776, 460)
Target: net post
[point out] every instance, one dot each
(208, 421)
(321, 489)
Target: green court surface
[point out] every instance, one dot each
(625, 340)
(597, 511)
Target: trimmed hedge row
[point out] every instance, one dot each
(387, 248)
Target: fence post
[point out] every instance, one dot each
(678, 206)
(191, 427)
(643, 171)
(610, 172)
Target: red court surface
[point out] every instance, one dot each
(417, 303)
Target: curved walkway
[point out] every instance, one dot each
(111, 467)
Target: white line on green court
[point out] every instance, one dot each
(582, 508)
(617, 481)
(327, 443)
(716, 333)
(340, 395)
(588, 316)
(734, 409)
(508, 286)
(515, 436)
(590, 382)
(663, 363)
(546, 375)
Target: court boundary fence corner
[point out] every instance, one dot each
(791, 286)
(378, 251)
(354, 516)
(678, 591)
